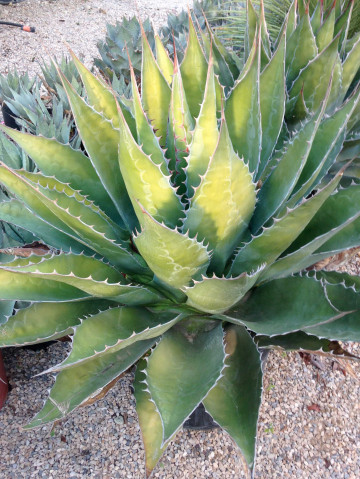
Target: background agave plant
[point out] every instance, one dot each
(180, 239)
(232, 17)
(123, 40)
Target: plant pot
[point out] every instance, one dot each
(9, 117)
(3, 383)
(200, 419)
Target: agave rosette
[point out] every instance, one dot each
(180, 237)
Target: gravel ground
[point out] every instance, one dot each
(80, 23)
(103, 440)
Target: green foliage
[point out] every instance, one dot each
(181, 234)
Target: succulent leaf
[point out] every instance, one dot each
(293, 342)
(149, 420)
(176, 361)
(19, 286)
(162, 57)
(300, 49)
(194, 70)
(282, 179)
(242, 112)
(314, 78)
(180, 129)
(145, 182)
(101, 141)
(251, 28)
(6, 309)
(350, 66)
(223, 204)
(205, 136)
(155, 92)
(76, 385)
(16, 213)
(326, 32)
(304, 257)
(234, 402)
(338, 208)
(326, 138)
(217, 295)
(283, 306)
(272, 103)
(145, 134)
(98, 95)
(41, 322)
(269, 244)
(45, 203)
(76, 169)
(125, 326)
(175, 258)
(87, 274)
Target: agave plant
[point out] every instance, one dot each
(182, 239)
(40, 105)
(123, 40)
(232, 17)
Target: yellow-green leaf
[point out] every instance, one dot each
(155, 91)
(224, 202)
(145, 181)
(173, 257)
(193, 71)
(205, 135)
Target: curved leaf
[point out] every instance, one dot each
(205, 135)
(272, 103)
(314, 79)
(145, 182)
(173, 257)
(16, 213)
(274, 240)
(101, 141)
(300, 49)
(282, 179)
(86, 274)
(67, 165)
(46, 321)
(284, 306)
(217, 295)
(155, 91)
(124, 326)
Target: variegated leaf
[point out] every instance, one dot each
(222, 205)
(234, 402)
(175, 258)
(145, 181)
(205, 136)
(274, 240)
(177, 361)
(76, 385)
(193, 71)
(47, 321)
(217, 295)
(124, 326)
(242, 112)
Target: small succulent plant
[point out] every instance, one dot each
(40, 105)
(123, 40)
(182, 240)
